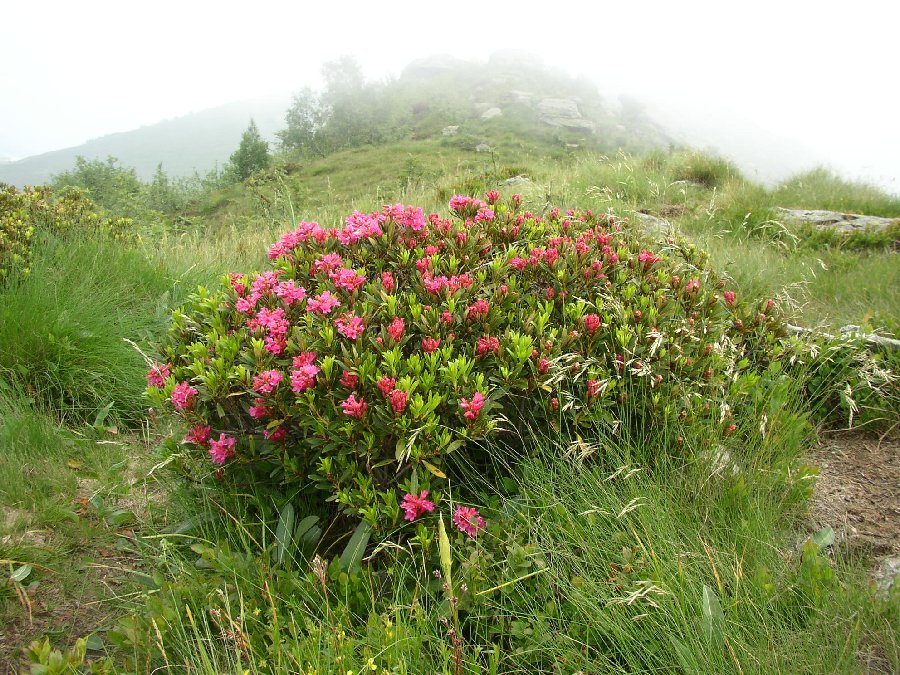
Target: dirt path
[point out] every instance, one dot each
(858, 493)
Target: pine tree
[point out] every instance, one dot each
(252, 154)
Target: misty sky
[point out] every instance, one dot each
(819, 74)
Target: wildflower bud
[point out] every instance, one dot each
(637, 316)
(739, 324)
(554, 404)
(721, 284)
(731, 429)
(707, 374)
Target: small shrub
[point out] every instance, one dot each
(368, 354)
(705, 169)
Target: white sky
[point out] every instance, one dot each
(824, 74)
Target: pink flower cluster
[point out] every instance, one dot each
(267, 381)
(347, 280)
(430, 344)
(222, 449)
(156, 376)
(478, 310)
(472, 408)
(323, 303)
(291, 240)
(396, 329)
(487, 345)
(359, 226)
(303, 376)
(468, 520)
(199, 435)
(275, 325)
(354, 407)
(350, 326)
(591, 323)
(453, 284)
(183, 396)
(415, 505)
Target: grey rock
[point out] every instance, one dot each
(517, 180)
(522, 96)
(482, 147)
(563, 112)
(658, 228)
(491, 113)
(887, 574)
(450, 130)
(835, 220)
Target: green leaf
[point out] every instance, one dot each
(120, 518)
(444, 548)
(713, 618)
(284, 533)
(685, 659)
(20, 574)
(351, 558)
(823, 538)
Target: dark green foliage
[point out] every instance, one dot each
(114, 188)
(252, 155)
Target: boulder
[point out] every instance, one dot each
(491, 113)
(835, 220)
(450, 130)
(482, 147)
(563, 112)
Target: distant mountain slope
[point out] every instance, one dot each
(194, 141)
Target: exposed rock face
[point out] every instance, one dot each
(491, 113)
(657, 228)
(450, 131)
(835, 220)
(482, 147)
(563, 112)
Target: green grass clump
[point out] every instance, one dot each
(63, 329)
(822, 189)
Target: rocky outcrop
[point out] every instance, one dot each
(563, 112)
(491, 113)
(835, 220)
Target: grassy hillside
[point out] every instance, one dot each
(697, 548)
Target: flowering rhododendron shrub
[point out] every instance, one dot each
(368, 352)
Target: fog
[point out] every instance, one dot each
(791, 84)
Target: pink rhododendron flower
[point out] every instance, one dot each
(386, 385)
(422, 264)
(246, 305)
(304, 374)
(478, 310)
(347, 280)
(323, 303)
(326, 264)
(359, 226)
(276, 435)
(183, 396)
(467, 520)
(543, 367)
(398, 399)
(395, 330)
(289, 292)
(349, 380)
(729, 297)
(416, 505)
(258, 411)
(473, 407)
(237, 283)
(593, 388)
(156, 376)
(647, 257)
(354, 407)
(446, 318)
(267, 381)
(591, 323)
(387, 281)
(486, 345)
(492, 197)
(199, 435)
(350, 326)
(518, 263)
(692, 286)
(265, 283)
(484, 214)
(222, 450)
(429, 344)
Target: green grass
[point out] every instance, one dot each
(677, 561)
